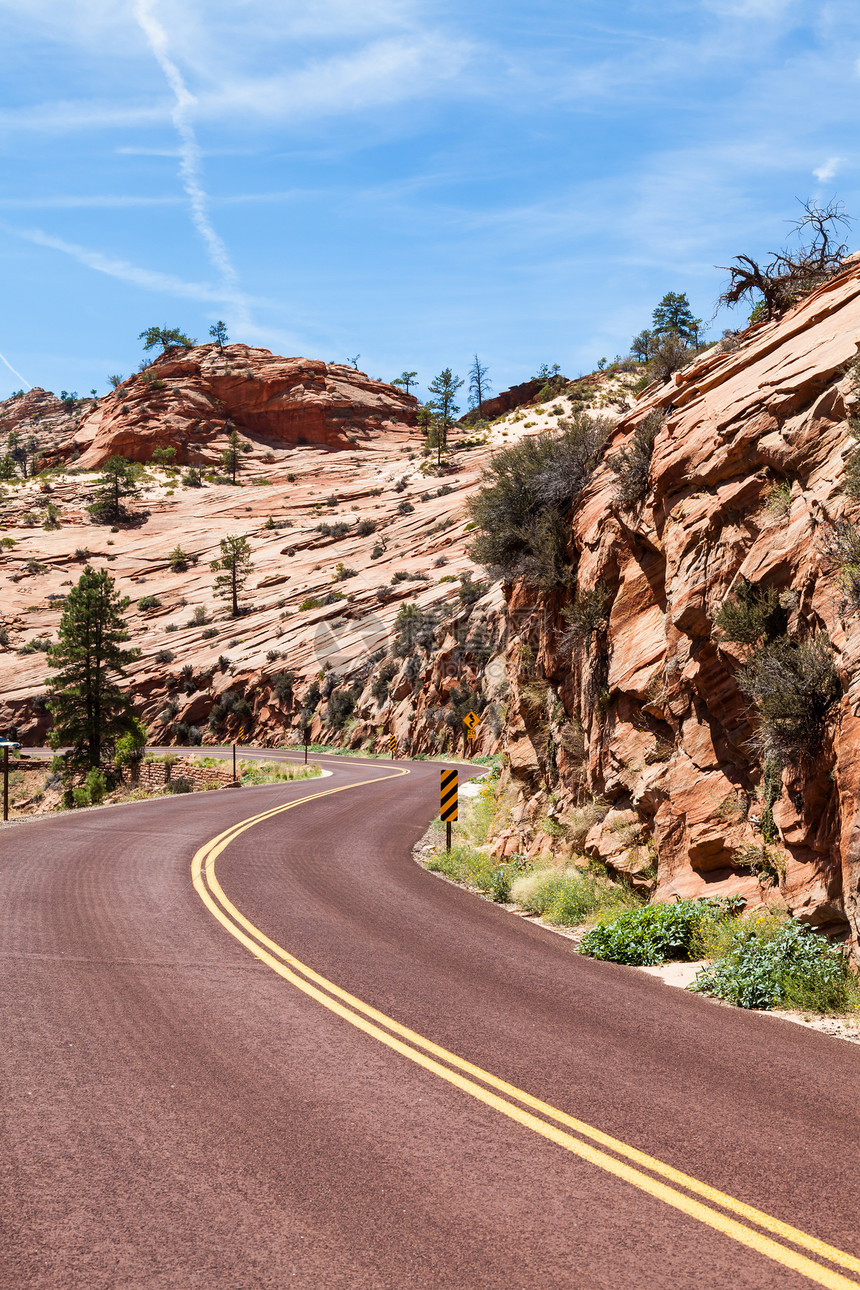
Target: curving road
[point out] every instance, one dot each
(309, 1063)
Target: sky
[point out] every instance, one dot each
(402, 183)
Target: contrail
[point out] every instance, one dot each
(190, 157)
(14, 373)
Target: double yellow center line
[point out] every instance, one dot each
(743, 1223)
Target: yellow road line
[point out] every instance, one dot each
(430, 1056)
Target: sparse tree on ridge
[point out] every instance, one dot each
(673, 313)
(218, 332)
(233, 569)
(353, 362)
(406, 379)
(643, 345)
(479, 385)
(231, 460)
(116, 481)
(444, 388)
(90, 711)
(166, 337)
(114, 381)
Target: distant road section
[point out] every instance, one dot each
(247, 1046)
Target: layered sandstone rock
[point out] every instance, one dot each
(189, 399)
(746, 474)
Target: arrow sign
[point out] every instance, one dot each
(470, 721)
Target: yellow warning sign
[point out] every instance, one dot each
(470, 721)
(448, 795)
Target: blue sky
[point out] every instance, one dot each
(407, 181)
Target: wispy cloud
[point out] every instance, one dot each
(190, 163)
(828, 170)
(5, 360)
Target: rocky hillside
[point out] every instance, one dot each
(352, 528)
(627, 731)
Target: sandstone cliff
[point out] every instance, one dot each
(645, 714)
(189, 399)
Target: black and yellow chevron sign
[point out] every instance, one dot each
(449, 795)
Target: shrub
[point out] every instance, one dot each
(377, 551)
(182, 784)
(767, 961)
(382, 681)
(751, 614)
(778, 498)
(342, 572)
(310, 602)
(178, 560)
(405, 508)
(149, 602)
(669, 357)
(631, 466)
(283, 685)
(648, 935)
(164, 656)
(198, 618)
(589, 613)
(840, 541)
(794, 686)
(569, 896)
(366, 527)
(341, 706)
(210, 633)
(523, 506)
(192, 478)
(39, 644)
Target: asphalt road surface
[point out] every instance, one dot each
(292, 1058)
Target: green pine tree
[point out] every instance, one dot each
(116, 481)
(673, 314)
(233, 569)
(444, 389)
(89, 708)
(230, 458)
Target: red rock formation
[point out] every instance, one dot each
(668, 736)
(188, 399)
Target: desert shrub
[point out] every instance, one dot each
(192, 478)
(522, 510)
(130, 747)
(210, 633)
(309, 602)
(751, 614)
(178, 560)
(840, 541)
(283, 685)
(414, 628)
(778, 498)
(4, 636)
(198, 618)
(377, 551)
(341, 705)
(589, 613)
(670, 356)
(39, 644)
(769, 961)
(794, 686)
(338, 530)
(650, 934)
(164, 656)
(569, 897)
(149, 602)
(181, 784)
(470, 591)
(342, 572)
(366, 527)
(632, 464)
(382, 681)
(405, 508)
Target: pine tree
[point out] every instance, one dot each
(89, 709)
(116, 482)
(445, 388)
(233, 569)
(8, 469)
(166, 337)
(673, 314)
(406, 379)
(230, 459)
(218, 332)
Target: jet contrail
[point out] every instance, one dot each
(14, 373)
(190, 158)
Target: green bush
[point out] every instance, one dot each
(149, 602)
(768, 961)
(751, 614)
(794, 686)
(569, 897)
(632, 465)
(523, 507)
(589, 613)
(95, 786)
(841, 542)
(651, 934)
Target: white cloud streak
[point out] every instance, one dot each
(828, 170)
(190, 162)
(5, 360)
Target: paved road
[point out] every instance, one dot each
(187, 1105)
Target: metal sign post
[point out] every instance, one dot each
(306, 738)
(6, 744)
(448, 801)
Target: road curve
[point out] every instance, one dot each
(180, 1112)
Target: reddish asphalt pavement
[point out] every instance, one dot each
(176, 1114)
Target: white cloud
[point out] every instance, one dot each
(94, 201)
(827, 170)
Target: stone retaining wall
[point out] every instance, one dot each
(158, 774)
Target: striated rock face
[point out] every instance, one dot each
(645, 713)
(188, 399)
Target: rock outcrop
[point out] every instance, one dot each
(188, 400)
(644, 714)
